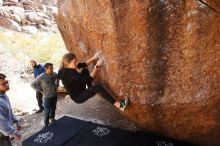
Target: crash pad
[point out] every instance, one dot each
(68, 131)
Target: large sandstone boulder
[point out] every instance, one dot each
(52, 9)
(212, 4)
(32, 13)
(162, 54)
(9, 24)
(4, 14)
(30, 29)
(14, 1)
(16, 18)
(32, 4)
(16, 10)
(11, 3)
(33, 17)
(50, 2)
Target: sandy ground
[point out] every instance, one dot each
(95, 109)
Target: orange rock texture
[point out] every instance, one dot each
(162, 54)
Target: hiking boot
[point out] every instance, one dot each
(124, 103)
(39, 111)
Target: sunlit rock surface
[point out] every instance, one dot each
(162, 54)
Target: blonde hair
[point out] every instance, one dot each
(67, 58)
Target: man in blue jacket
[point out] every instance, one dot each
(38, 69)
(7, 118)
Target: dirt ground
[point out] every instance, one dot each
(95, 109)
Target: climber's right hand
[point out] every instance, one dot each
(100, 62)
(96, 56)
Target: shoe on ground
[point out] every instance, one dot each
(45, 126)
(124, 103)
(39, 111)
(52, 121)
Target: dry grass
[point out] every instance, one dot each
(44, 47)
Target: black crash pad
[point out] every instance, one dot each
(68, 131)
(57, 134)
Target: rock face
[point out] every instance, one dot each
(31, 14)
(213, 4)
(163, 55)
(50, 2)
(5, 22)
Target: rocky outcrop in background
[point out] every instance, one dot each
(28, 15)
(162, 54)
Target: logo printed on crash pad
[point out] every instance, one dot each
(163, 143)
(101, 131)
(44, 138)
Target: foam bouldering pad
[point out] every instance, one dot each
(57, 134)
(99, 135)
(68, 131)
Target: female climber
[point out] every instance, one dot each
(75, 77)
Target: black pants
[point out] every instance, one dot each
(5, 141)
(39, 99)
(91, 91)
(84, 73)
(49, 109)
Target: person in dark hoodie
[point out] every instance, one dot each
(79, 83)
(38, 69)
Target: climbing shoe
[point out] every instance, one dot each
(124, 103)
